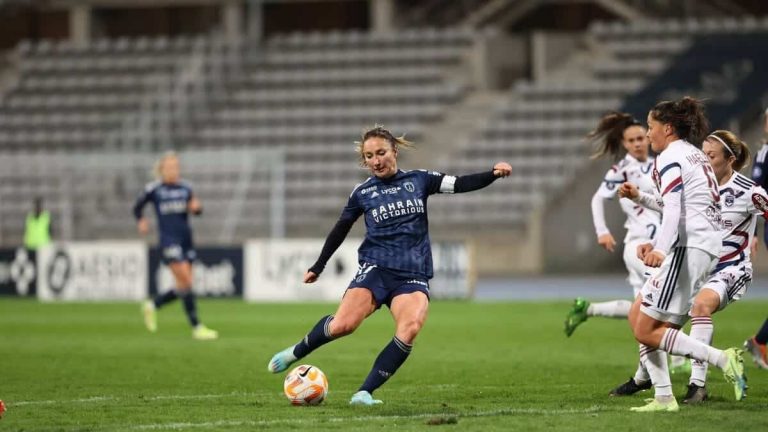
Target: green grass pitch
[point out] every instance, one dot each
(476, 366)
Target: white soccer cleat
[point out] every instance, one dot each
(201, 332)
(150, 315)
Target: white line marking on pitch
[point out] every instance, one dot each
(179, 397)
(150, 398)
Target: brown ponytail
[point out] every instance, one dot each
(610, 131)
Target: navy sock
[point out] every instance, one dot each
(188, 298)
(762, 335)
(317, 337)
(389, 360)
(164, 298)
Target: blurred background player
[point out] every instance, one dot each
(37, 227)
(620, 132)
(686, 250)
(395, 256)
(741, 201)
(173, 200)
(756, 344)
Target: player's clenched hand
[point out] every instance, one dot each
(628, 190)
(310, 277)
(643, 250)
(502, 169)
(143, 226)
(654, 258)
(606, 241)
(194, 206)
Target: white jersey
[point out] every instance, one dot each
(741, 201)
(641, 223)
(688, 188)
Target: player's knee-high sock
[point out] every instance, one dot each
(641, 374)
(679, 343)
(655, 361)
(188, 298)
(762, 336)
(389, 360)
(317, 337)
(610, 309)
(165, 298)
(702, 330)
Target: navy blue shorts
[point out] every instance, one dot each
(386, 285)
(177, 251)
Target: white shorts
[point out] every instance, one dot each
(730, 283)
(668, 295)
(635, 267)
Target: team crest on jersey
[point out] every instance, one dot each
(409, 186)
(729, 199)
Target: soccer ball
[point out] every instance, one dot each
(305, 385)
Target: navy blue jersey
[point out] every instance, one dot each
(171, 206)
(396, 222)
(760, 166)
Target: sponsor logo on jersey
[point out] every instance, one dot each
(760, 202)
(172, 193)
(396, 209)
(390, 191)
(368, 189)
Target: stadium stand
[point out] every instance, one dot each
(308, 94)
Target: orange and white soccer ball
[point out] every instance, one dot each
(305, 385)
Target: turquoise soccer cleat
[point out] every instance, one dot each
(282, 360)
(364, 398)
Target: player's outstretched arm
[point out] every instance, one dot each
(472, 182)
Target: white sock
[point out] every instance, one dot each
(679, 343)
(655, 361)
(610, 309)
(702, 330)
(641, 374)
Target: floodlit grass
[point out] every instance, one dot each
(476, 366)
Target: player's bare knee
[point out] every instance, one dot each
(643, 336)
(343, 326)
(408, 330)
(701, 309)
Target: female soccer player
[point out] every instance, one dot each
(741, 200)
(620, 130)
(685, 252)
(395, 256)
(173, 201)
(756, 344)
